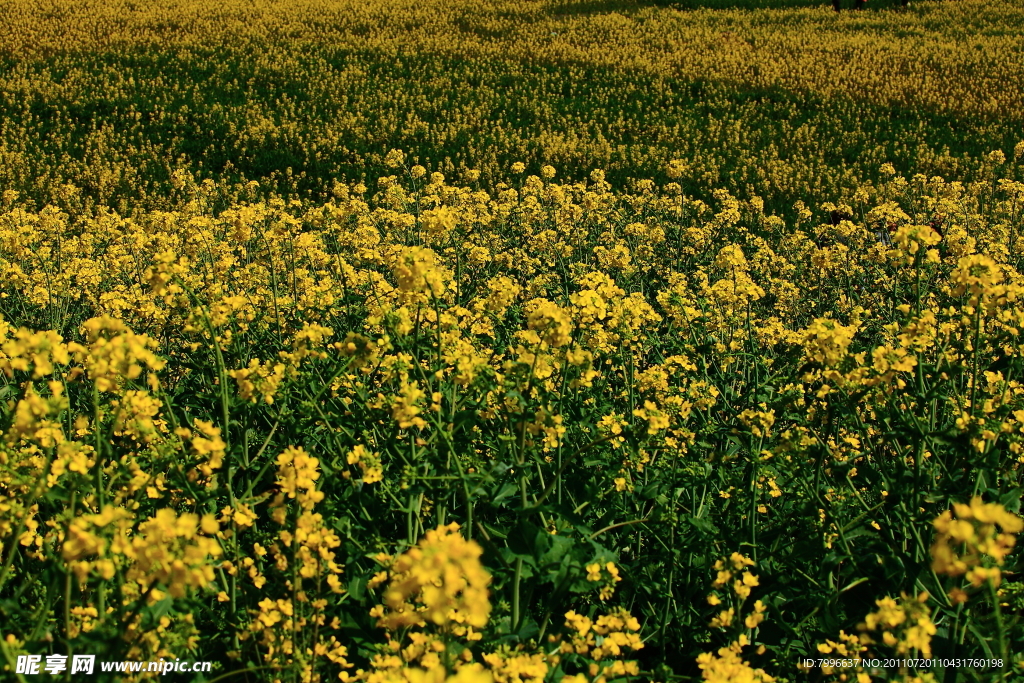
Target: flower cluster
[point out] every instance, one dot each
(170, 551)
(606, 574)
(604, 642)
(727, 663)
(973, 541)
(438, 581)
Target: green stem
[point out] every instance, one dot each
(98, 446)
(515, 593)
(997, 612)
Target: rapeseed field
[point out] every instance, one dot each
(511, 342)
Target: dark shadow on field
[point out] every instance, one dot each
(586, 7)
(210, 131)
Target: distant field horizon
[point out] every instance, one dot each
(777, 103)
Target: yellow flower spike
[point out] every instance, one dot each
(980, 533)
(440, 574)
(723, 619)
(740, 561)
